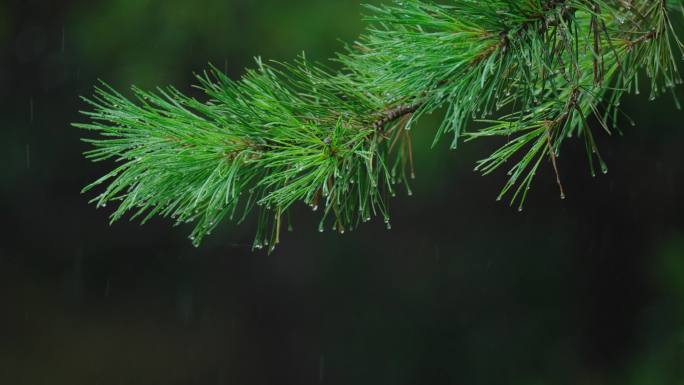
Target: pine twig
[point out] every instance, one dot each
(532, 73)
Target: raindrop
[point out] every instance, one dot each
(31, 110)
(28, 156)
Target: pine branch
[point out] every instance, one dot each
(534, 72)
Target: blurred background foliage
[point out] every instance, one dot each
(463, 290)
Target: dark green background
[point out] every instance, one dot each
(463, 290)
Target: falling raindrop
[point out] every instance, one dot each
(28, 156)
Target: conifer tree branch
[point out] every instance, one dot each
(532, 72)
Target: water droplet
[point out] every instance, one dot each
(31, 110)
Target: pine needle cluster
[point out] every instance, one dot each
(535, 72)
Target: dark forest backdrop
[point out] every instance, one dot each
(463, 290)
